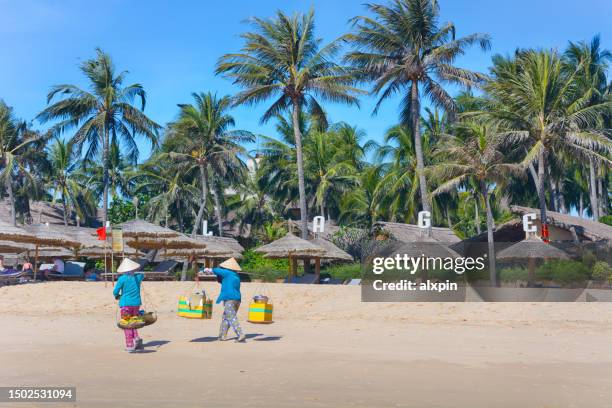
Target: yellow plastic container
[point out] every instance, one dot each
(260, 312)
(195, 307)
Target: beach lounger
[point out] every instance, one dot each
(13, 277)
(72, 271)
(163, 271)
(354, 282)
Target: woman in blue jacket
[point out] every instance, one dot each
(127, 291)
(227, 272)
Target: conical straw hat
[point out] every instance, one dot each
(230, 264)
(127, 265)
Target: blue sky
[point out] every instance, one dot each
(171, 47)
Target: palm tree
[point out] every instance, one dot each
(590, 61)
(14, 139)
(361, 206)
(202, 138)
(537, 101)
(65, 180)
(404, 49)
(331, 167)
(102, 114)
(475, 155)
(120, 169)
(283, 59)
(172, 192)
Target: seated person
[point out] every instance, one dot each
(58, 268)
(27, 267)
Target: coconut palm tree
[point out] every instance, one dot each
(475, 154)
(66, 181)
(282, 59)
(590, 61)
(403, 49)
(537, 101)
(102, 114)
(173, 194)
(120, 169)
(202, 137)
(14, 141)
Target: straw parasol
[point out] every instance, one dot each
(143, 229)
(15, 234)
(51, 253)
(39, 235)
(531, 249)
(293, 248)
(332, 252)
(10, 247)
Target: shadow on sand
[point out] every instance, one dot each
(249, 336)
(156, 343)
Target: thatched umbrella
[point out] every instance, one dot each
(531, 249)
(142, 229)
(43, 235)
(332, 252)
(10, 247)
(51, 253)
(9, 232)
(291, 247)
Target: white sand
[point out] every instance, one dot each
(325, 349)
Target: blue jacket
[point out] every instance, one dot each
(230, 284)
(128, 287)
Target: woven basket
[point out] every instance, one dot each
(149, 318)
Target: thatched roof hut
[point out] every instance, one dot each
(332, 252)
(532, 249)
(569, 227)
(290, 246)
(410, 233)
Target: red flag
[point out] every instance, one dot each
(101, 233)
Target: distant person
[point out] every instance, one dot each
(27, 267)
(57, 268)
(227, 272)
(127, 291)
(2, 267)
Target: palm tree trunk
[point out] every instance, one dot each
(581, 206)
(415, 113)
(218, 213)
(561, 192)
(204, 185)
(490, 241)
(105, 174)
(477, 213)
(600, 195)
(9, 190)
(541, 195)
(65, 209)
(554, 204)
(593, 189)
(300, 168)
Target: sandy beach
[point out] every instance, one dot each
(325, 349)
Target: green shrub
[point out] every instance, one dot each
(602, 271)
(606, 219)
(256, 261)
(563, 272)
(344, 271)
(513, 274)
(588, 258)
